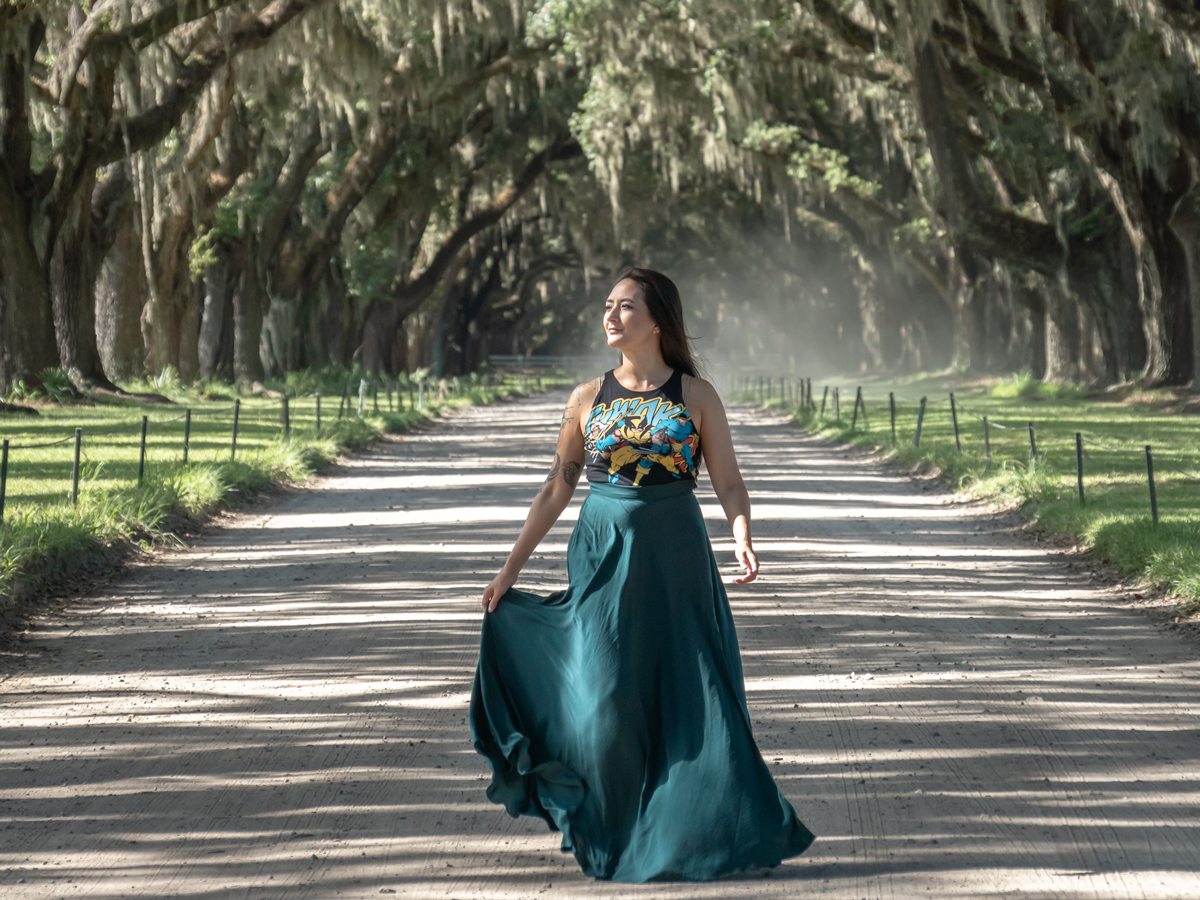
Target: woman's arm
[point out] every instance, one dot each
(554, 496)
(716, 447)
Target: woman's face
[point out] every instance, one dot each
(627, 320)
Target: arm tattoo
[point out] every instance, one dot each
(571, 472)
(566, 420)
(553, 469)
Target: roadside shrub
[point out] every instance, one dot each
(1022, 385)
(166, 382)
(57, 386)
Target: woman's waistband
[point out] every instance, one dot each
(645, 492)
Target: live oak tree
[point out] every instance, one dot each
(241, 187)
(83, 87)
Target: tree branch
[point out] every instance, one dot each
(896, 80)
(501, 66)
(147, 129)
(173, 13)
(63, 76)
(306, 151)
(379, 147)
(412, 294)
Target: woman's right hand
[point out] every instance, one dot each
(496, 589)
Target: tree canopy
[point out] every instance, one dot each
(235, 188)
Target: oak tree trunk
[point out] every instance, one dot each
(247, 320)
(26, 327)
(1062, 336)
(120, 295)
(1185, 223)
(72, 290)
(214, 342)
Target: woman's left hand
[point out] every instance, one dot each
(748, 561)
(496, 589)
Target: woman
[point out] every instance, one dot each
(615, 709)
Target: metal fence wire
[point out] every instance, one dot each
(238, 416)
(800, 390)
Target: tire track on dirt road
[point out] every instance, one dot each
(279, 710)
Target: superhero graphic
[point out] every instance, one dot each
(633, 435)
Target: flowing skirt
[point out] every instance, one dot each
(615, 710)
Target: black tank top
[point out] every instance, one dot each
(641, 437)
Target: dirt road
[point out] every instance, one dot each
(280, 710)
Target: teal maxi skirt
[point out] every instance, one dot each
(615, 710)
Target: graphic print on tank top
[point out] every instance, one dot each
(641, 437)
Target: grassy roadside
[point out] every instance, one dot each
(46, 541)
(1114, 521)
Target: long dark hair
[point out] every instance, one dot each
(662, 299)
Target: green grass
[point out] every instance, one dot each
(1114, 521)
(44, 538)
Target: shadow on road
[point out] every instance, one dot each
(281, 711)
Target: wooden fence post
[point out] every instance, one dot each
(142, 450)
(345, 401)
(1150, 480)
(187, 434)
(3, 477)
(892, 407)
(75, 467)
(920, 422)
(237, 412)
(954, 418)
(1079, 464)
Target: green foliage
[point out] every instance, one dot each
(1017, 481)
(166, 382)
(1165, 556)
(1022, 385)
(1096, 223)
(202, 254)
(57, 386)
(829, 167)
(371, 266)
(331, 381)
(43, 545)
(776, 140)
(215, 390)
(567, 22)
(1025, 386)
(18, 390)
(603, 108)
(138, 513)
(919, 230)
